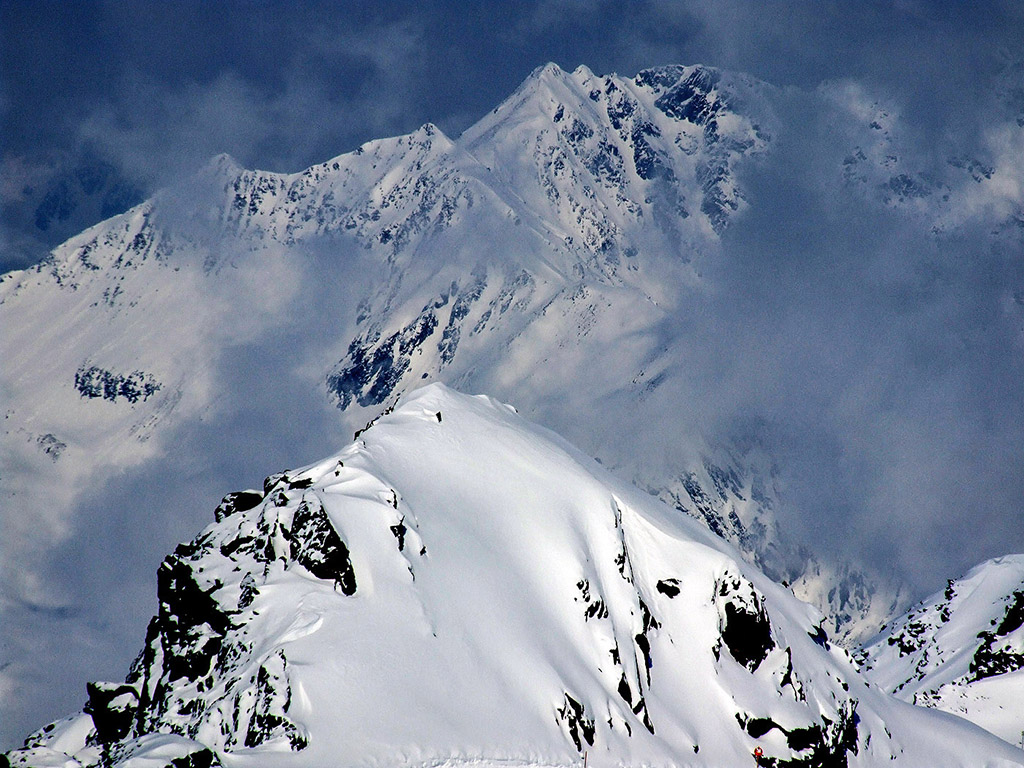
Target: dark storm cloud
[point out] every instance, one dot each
(159, 87)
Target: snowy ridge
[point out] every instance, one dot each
(961, 650)
(459, 585)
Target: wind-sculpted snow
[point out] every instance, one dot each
(458, 584)
(961, 650)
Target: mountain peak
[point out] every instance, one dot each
(552, 244)
(545, 71)
(458, 581)
(224, 164)
(583, 72)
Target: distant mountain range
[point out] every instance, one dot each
(44, 205)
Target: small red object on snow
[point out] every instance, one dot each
(758, 753)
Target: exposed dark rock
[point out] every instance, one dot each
(51, 446)
(318, 548)
(640, 709)
(461, 307)
(645, 648)
(659, 78)
(239, 501)
(278, 497)
(745, 627)
(272, 480)
(96, 382)
(820, 745)
(202, 758)
(112, 707)
(789, 678)
(399, 530)
(650, 623)
(691, 99)
(238, 544)
(759, 726)
(143, 671)
(624, 690)
(978, 170)
(579, 726)
(595, 607)
(947, 597)
(374, 366)
(747, 635)
(800, 739)
(668, 587)
(249, 591)
(903, 187)
(819, 636)
(189, 550)
(269, 718)
(645, 160)
(715, 203)
(726, 481)
(190, 623)
(1014, 617)
(990, 659)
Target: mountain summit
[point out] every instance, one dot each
(459, 586)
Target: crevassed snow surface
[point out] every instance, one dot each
(460, 587)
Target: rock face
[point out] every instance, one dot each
(961, 650)
(459, 582)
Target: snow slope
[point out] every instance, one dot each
(460, 587)
(962, 650)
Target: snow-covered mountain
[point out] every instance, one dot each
(461, 587)
(552, 255)
(548, 245)
(962, 650)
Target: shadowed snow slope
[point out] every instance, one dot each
(459, 586)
